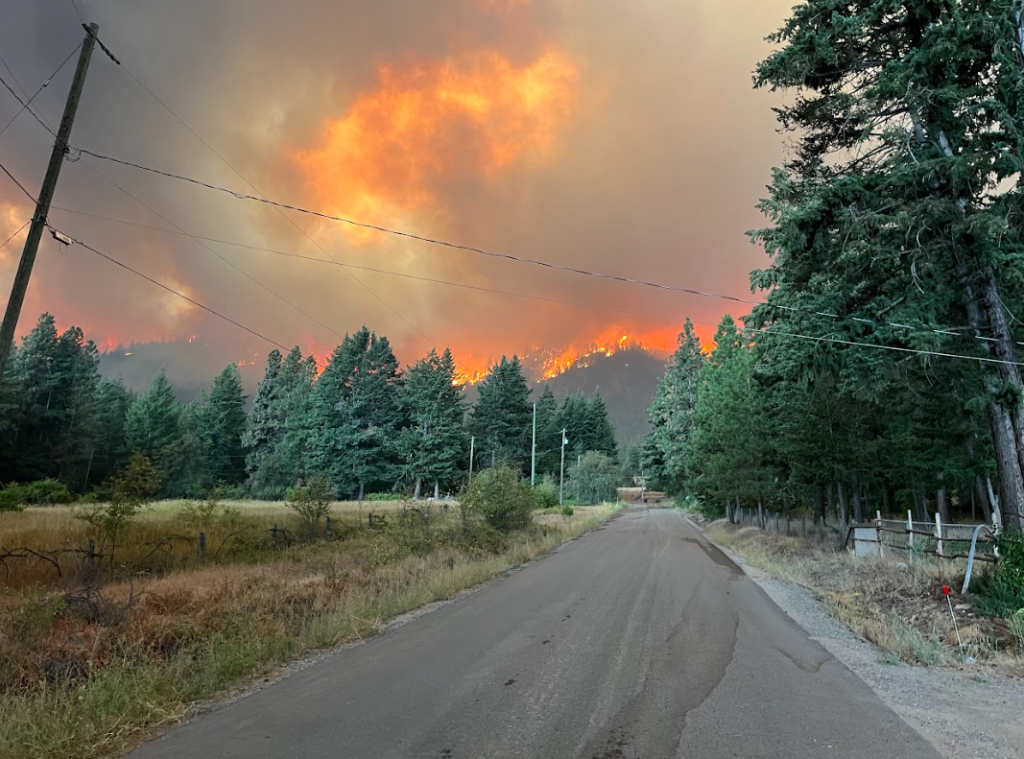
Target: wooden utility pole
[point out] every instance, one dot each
(35, 232)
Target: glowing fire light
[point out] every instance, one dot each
(470, 116)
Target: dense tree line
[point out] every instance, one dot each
(896, 223)
(361, 422)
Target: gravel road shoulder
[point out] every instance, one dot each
(963, 713)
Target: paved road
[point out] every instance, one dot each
(639, 641)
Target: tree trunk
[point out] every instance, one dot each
(830, 498)
(819, 504)
(981, 494)
(858, 505)
(437, 490)
(943, 505)
(362, 491)
(843, 504)
(760, 514)
(886, 500)
(419, 486)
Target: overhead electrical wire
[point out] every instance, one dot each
(138, 200)
(13, 235)
(14, 179)
(171, 290)
(520, 259)
(26, 104)
(291, 221)
(777, 332)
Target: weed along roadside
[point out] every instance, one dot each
(900, 607)
(91, 659)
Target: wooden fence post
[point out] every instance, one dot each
(910, 535)
(938, 532)
(328, 531)
(202, 546)
(92, 556)
(273, 534)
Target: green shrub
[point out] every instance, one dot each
(385, 497)
(48, 492)
(567, 511)
(594, 479)
(546, 493)
(312, 502)
(498, 495)
(1001, 593)
(12, 497)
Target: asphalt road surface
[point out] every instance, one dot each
(638, 641)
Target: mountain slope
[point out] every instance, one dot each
(628, 381)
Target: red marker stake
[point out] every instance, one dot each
(945, 590)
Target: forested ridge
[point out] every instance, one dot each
(361, 422)
(880, 372)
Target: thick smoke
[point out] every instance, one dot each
(618, 137)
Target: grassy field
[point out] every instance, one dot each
(899, 608)
(89, 664)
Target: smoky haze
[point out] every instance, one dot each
(618, 137)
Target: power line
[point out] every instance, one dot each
(20, 185)
(777, 332)
(196, 240)
(171, 290)
(520, 259)
(258, 192)
(26, 104)
(16, 233)
(154, 211)
(77, 12)
(370, 269)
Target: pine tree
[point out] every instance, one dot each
(432, 447)
(502, 418)
(908, 122)
(601, 434)
(264, 431)
(355, 415)
(224, 424)
(549, 433)
(107, 454)
(672, 413)
(151, 425)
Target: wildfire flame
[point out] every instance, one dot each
(470, 116)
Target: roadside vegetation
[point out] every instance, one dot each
(900, 607)
(93, 657)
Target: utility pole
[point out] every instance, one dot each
(472, 445)
(533, 451)
(561, 474)
(35, 232)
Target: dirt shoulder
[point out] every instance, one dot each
(964, 712)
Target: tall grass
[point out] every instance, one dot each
(84, 672)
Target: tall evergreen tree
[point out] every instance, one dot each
(264, 430)
(107, 452)
(224, 424)
(672, 413)
(355, 415)
(432, 446)
(152, 425)
(601, 434)
(908, 126)
(502, 417)
(549, 433)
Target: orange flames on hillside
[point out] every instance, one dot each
(543, 364)
(470, 116)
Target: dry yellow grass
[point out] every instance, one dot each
(901, 609)
(84, 671)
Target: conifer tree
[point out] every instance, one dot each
(549, 433)
(502, 417)
(223, 422)
(432, 446)
(152, 425)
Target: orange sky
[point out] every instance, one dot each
(617, 137)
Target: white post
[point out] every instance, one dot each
(533, 450)
(561, 474)
(938, 532)
(878, 517)
(910, 535)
